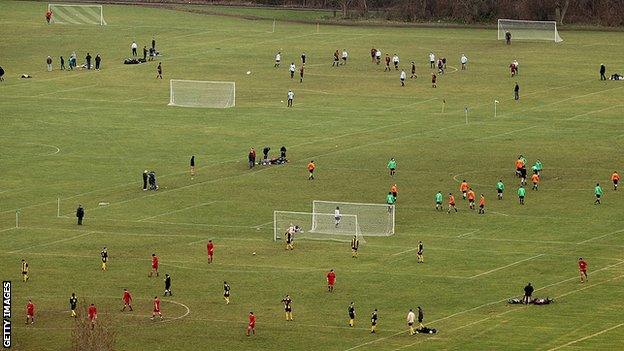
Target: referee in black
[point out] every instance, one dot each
(144, 180)
(80, 214)
(528, 291)
(167, 285)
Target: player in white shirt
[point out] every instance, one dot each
(463, 60)
(134, 48)
(278, 59)
(395, 60)
(292, 70)
(410, 321)
(290, 96)
(431, 60)
(515, 63)
(345, 55)
(337, 216)
(378, 56)
(403, 76)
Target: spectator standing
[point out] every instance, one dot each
(49, 63)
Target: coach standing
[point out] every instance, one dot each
(80, 214)
(144, 180)
(603, 70)
(528, 291)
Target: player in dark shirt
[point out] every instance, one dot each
(226, 293)
(192, 166)
(80, 214)
(413, 70)
(88, 59)
(283, 151)
(98, 60)
(516, 92)
(287, 301)
(104, 256)
(374, 321)
(167, 285)
(528, 291)
(303, 58)
(355, 244)
(508, 37)
(159, 70)
(419, 253)
(421, 316)
(73, 302)
(351, 311)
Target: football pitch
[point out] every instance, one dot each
(85, 137)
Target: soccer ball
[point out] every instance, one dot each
(282, 101)
(248, 72)
(254, 253)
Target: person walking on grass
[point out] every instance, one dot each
(598, 193)
(159, 70)
(88, 59)
(62, 63)
(80, 213)
(516, 92)
(603, 70)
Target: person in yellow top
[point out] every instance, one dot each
(463, 187)
(471, 198)
(24, 271)
(615, 178)
(535, 179)
(311, 168)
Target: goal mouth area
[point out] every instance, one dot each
(202, 93)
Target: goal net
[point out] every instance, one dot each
(316, 226)
(532, 30)
(373, 219)
(77, 14)
(195, 93)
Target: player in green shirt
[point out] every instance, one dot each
(500, 187)
(438, 200)
(392, 166)
(537, 167)
(598, 193)
(521, 193)
(390, 200)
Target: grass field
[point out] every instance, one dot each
(86, 136)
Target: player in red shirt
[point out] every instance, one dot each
(154, 265)
(251, 327)
(582, 269)
(92, 311)
(331, 280)
(156, 309)
(127, 299)
(48, 16)
(210, 249)
(30, 312)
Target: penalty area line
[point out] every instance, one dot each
(506, 266)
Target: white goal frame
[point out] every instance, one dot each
(365, 228)
(517, 33)
(278, 231)
(101, 8)
(172, 102)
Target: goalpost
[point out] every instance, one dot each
(373, 219)
(532, 30)
(196, 93)
(316, 226)
(77, 14)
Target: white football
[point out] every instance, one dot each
(282, 101)
(254, 253)
(248, 72)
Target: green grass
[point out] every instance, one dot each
(110, 125)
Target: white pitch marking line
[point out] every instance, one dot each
(402, 252)
(503, 267)
(176, 211)
(587, 337)
(500, 213)
(8, 229)
(600, 237)
(507, 133)
(466, 234)
(592, 112)
(65, 90)
(52, 242)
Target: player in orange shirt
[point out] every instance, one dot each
(156, 309)
(48, 16)
(463, 187)
(535, 179)
(311, 168)
(519, 165)
(482, 204)
(394, 190)
(582, 269)
(615, 178)
(451, 203)
(471, 198)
